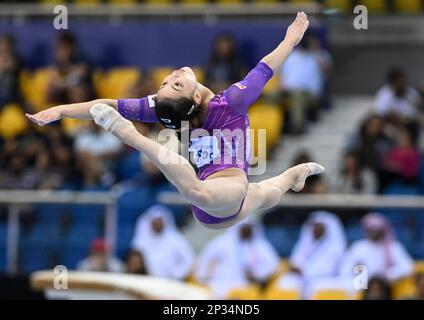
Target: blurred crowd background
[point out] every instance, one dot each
(367, 134)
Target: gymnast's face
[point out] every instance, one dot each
(181, 83)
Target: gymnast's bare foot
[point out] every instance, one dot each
(303, 171)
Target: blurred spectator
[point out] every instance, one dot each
(380, 252)
(166, 252)
(419, 283)
(325, 62)
(98, 259)
(317, 254)
(10, 68)
(135, 263)
(378, 289)
(98, 142)
(352, 178)
(224, 67)
(371, 143)
(71, 74)
(239, 257)
(402, 162)
(397, 100)
(303, 80)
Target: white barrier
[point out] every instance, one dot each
(111, 286)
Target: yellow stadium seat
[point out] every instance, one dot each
(419, 266)
(194, 1)
(37, 88)
(282, 269)
(159, 2)
(274, 293)
(115, 83)
(200, 74)
(159, 74)
(25, 83)
(229, 1)
(375, 6)
(404, 288)
(73, 126)
(273, 85)
(268, 117)
(246, 293)
(330, 294)
(12, 121)
(123, 2)
(87, 2)
(52, 1)
(342, 5)
(408, 6)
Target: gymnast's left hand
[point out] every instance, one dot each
(297, 29)
(45, 117)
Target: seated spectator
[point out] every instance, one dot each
(302, 80)
(135, 263)
(98, 142)
(70, 73)
(317, 254)
(238, 258)
(396, 100)
(98, 259)
(10, 68)
(378, 289)
(224, 67)
(166, 252)
(402, 161)
(354, 179)
(380, 252)
(371, 143)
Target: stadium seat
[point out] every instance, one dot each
(269, 117)
(342, 5)
(330, 294)
(419, 266)
(274, 293)
(226, 2)
(159, 74)
(404, 288)
(36, 258)
(12, 121)
(73, 126)
(273, 85)
(160, 2)
(408, 6)
(194, 1)
(115, 83)
(87, 2)
(375, 6)
(37, 91)
(246, 293)
(200, 74)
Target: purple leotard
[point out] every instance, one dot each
(224, 141)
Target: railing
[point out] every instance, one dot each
(16, 198)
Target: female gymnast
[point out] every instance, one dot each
(220, 193)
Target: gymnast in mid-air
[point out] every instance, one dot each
(220, 192)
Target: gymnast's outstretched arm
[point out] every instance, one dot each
(74, 110)
(293, 36)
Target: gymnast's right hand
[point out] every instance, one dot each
(45, 117)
